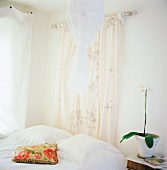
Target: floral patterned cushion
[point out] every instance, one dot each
(42, 153)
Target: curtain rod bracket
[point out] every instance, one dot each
(129, 13)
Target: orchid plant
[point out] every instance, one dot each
(149, 138)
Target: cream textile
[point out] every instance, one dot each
(93, 112)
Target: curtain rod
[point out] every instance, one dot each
(30, 12)
(122, 14)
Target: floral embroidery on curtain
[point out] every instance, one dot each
(93, 112)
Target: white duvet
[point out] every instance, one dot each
(79, 152)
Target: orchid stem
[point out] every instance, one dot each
(145, 112)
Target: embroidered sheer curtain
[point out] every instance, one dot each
(93, 112)
(15, 50)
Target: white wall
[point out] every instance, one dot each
(50, 73)
(37, 67)
(142, 61)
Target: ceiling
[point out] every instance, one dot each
(56, 6)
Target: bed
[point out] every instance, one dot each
(78, 152)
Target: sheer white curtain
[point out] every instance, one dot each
(95, 111)
(84, 18)
(15, 51)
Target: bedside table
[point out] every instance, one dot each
(135, 163)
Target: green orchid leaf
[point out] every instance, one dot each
(149, 141)
(129, 135)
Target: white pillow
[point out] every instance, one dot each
(85, 150)
(40, 134)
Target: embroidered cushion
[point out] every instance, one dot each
(42, 153)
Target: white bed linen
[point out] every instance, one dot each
(111, 160)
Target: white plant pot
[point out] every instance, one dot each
(144, 150)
